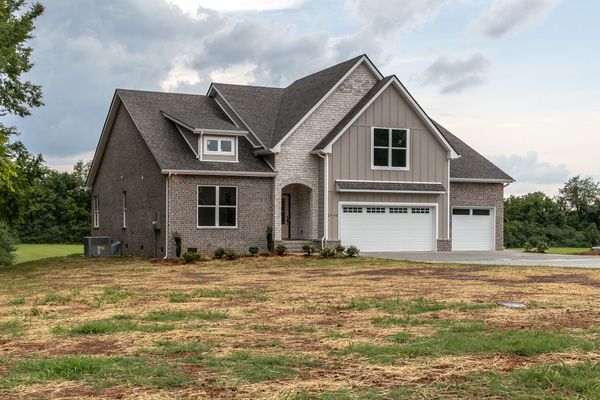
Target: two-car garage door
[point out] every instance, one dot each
(388, 228)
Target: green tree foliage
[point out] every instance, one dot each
(59, 208)
(16, 96)
(572, 219)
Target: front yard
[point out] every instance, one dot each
(296, 328)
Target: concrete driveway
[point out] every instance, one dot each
(506, 257)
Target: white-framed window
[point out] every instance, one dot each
(217, 206)
(390, 148)
(96, 211)
(220, 146)
(124, 209)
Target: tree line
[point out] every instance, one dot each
(571, 219)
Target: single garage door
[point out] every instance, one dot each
(472, 229)
(387, 228)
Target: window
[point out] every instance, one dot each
(461, 211)
(481, 212)
(390, 148)
(217, 206)
(96, 211)
(353, 210)
(375, 210)
(419, 210)
(222, 146)
(124, 209)
(398, 210)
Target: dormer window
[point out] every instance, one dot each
(219, 146)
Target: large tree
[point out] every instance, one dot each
(17, 96)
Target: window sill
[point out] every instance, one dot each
(374, 167)
(216, 227)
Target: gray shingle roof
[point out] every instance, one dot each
(164, 140)
(471, 164)
(389, 186)
(271, 112)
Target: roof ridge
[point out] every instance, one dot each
(159, 92)
(252, 86)
(325, 69)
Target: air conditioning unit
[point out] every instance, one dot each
(96, 246)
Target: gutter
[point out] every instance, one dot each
(325, 158)
(167, 216)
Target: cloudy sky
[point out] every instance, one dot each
(516, 79)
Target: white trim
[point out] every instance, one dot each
(217, 206)
(219, 173)
(481, 180)
(184, 138)
(212, 87)
(407, 95)
(374, 181)
(364, 58)
(167, 179)
(388, 204)
(390, 150)
(388, 191)
(225, 111)
(326, 199)
(448, 234)
(96, 211)
(221, 132)
(124, 209)
(492, 215)
(219, 151)
(198, 130)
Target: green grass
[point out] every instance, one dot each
(168, 347)
(113, 295)
(178, 297)
(54, 299)
(17, 301)
(31, 252)
(357, 394)
(96, 370)
(255, 367)
(559, 250)
(179, 315)
(111, 326)
(220, 293)
(10, 328)
(417, 305)
(471, 338)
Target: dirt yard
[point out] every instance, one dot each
(296, 328)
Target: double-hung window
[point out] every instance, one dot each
(124, 209)
(222, 146)
(96, 211)
(390, 148)
(217, 206)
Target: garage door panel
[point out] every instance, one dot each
(473, 232)
(399, 230)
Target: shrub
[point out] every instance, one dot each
(339, 249)
(220, 252)
(190, 256)
(230, 255)
(542, 247)
(327, 252)
(253, 251)
(308, 249)
(352, 251)
(270, 238)
(7, 245)
(528, 247)
(280, 250)
(177, 239)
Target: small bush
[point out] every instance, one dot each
(177, 239)
(270, 238)
(220, 252)
(308, 249)
(528, 247)
(7, 245)
(280, 250)
(190, 256)
(327, 252)
(230, 255)
(352, 251)
(339, 249)
(542, 247)
(253, 251)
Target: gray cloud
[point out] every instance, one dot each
(507, 16)
(453, 76)
(527, 169)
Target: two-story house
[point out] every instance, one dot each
(343, 155)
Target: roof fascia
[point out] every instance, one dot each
(363, 59)
(219, 173)
(481, 180)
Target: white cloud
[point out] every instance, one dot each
(241, 74)
(65, 163)
(191, 7)
(504, 17)
(181, 73)
(453, 76)
(529, 169)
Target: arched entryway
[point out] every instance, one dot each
(296, 212)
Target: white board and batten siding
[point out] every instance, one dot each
(473, 229)
(388, 227)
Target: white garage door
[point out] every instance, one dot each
(472, 229)
(387, 228)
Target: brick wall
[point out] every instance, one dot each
(295, 164)
(254, 213)
(484, 195)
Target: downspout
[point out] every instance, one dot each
(325, 158)
(167, 216)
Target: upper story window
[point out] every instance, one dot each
(221, 146)
(96, 212)
(217, 206)
(124, 209)
(390, 148)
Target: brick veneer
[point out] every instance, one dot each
(295, 164)
(444, 245)
(254, 213)
(464, 194)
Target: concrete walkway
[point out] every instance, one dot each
(506, 257)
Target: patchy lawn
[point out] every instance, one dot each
(560, 250)
(31, 252)
(296, 328)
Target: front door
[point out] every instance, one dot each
(285, 216)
